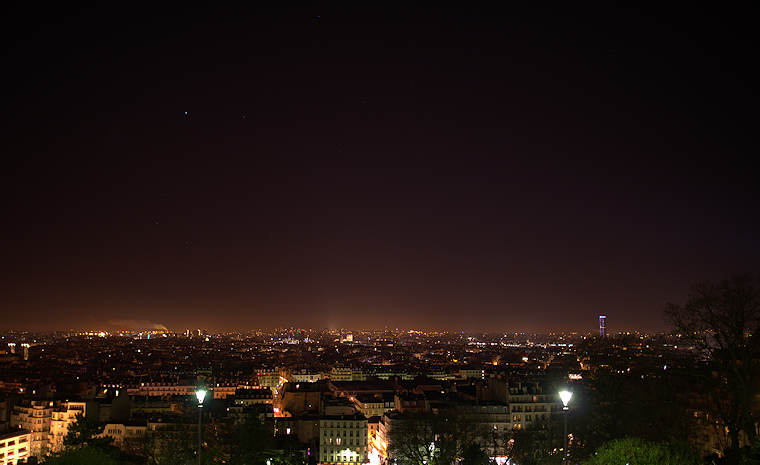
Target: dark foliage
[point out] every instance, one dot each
(721, 321)
(437, 438)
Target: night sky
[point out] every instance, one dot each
(443, 166)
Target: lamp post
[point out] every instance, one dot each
(565, 396)
(200, 394)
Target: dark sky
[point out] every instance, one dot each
(436, 167)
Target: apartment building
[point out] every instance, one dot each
(528, 402)
(126, 435)
(61, 418)
(344, 439)
(374, 404)
(15, 447)
(34, 416)
(162, 389)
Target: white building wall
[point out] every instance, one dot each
(15, 447)
(344, 440)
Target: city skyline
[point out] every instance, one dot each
(144, 327)
(491, 168)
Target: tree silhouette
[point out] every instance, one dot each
(721, 321)
(538, 444)
(475, 455)
(245, 442)
(85, 431)
(437, 438)
(172, 443)
(82, 456)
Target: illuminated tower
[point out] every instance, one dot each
(602, 331)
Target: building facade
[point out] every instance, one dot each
(34, 416)
(61, 418)
(15, 447)
(343, 439)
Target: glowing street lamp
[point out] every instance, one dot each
(565, 396)
(200, 394)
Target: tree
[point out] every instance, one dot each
(172, 443)
(437, 438)
(635, 451)
(628, 392)
(247, 441)
(538, 444)
(721, 321)
(85, 431)
(290, 452)
(85, 455)
(475, 455)
(753, 456)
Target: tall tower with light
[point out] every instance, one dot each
(602, 330)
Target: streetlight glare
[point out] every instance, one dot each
(200, 394)
(565, 396)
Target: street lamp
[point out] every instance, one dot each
(200, 394)
(565, 396)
